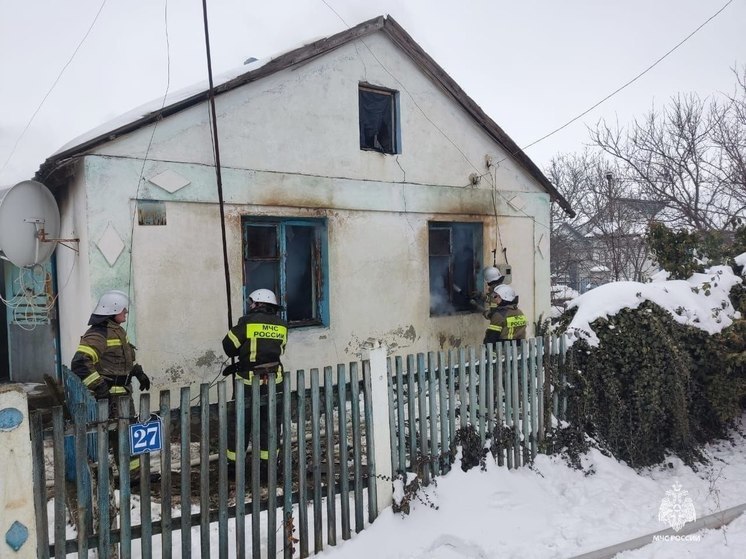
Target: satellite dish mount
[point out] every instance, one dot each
(41, 234)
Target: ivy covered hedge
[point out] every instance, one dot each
(654, 386)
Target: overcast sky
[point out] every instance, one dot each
(532, 66)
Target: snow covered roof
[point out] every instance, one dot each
(158, 109)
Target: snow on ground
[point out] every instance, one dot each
(553, 511)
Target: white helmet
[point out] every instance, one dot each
(505, 292)
(112, 302)
(263, 296)
(492, 274)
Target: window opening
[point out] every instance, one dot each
(455, 261)
(288, 257)
(379, 121)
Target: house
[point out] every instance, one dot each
(608, 246)
(358, 181)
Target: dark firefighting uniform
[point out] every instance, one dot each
(506, 323)
(258, 340)
(104, 361)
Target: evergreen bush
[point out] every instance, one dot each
(654, 386)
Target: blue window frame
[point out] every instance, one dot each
(288, 256)
(455, 258)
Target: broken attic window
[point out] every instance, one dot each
(288, 257)
(455, 259)
(379, 121)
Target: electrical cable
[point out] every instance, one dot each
(54, 84)
(216, 153)
(218, 173)
(147, 152)
(619, 89)
(214, 381)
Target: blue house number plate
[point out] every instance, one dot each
(146, 437)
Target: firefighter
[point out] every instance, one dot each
(485, 301)
(105, 360)
(507, 321)
(258, 340)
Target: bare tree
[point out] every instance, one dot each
(605, 241)
(729, 135)
(673, 156)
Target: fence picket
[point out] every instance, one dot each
(302, 467)
(463, 404)
(490, 388)
(164, 410)
(256, 533)
(58, 432)
(39, 481)
(204, 470)
(500, 400)
(356, 445)
(390, 381)
(316, 460)
(370, 454)
(515, 404)
(185, 474)
(452, 359)
(525, 419)
(401, 440)
(344, 473)
(422, 419)
(146, 518)
(412, 412)
(239, 413)
(331, 501)
(222, 471)
(445, 442)
(287, 474)
(472, 380)
(125, 497)
(432, 371)
(271, 464)
(482, 406)
(533, 407)
(103, 481)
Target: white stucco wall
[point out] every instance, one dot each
(290, 147)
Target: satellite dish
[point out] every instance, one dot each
(29, 223)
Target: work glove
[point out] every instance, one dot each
(230, 369)
(101, 390)
(141, 377)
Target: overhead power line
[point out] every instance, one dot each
(54, 84)
(630, 82)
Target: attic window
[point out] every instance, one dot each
(379, 119)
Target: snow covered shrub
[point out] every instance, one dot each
(651, 386)
(473, 452)
(407, 488)
(568, 441)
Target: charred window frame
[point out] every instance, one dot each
(379, 119)
(455, 260)
(288, 256)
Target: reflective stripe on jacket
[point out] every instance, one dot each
(507, 323)
(258, 340)
(104, 353)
